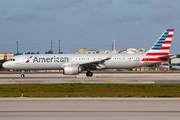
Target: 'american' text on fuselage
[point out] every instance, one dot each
(50, 59)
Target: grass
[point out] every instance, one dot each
(90, 90)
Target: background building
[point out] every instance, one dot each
(6, 56)
(133, 50)
(129, 50)
(85, 51)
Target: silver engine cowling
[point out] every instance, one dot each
(71, 70)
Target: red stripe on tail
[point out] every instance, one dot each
(167, 42)
(165, 48)
(172, 30)
(169, 36)
(155, 59)
(156, 54)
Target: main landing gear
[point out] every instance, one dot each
(22, 74)
(89, 74)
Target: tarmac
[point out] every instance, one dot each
(118, 78)
(89, 108)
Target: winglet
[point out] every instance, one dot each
(110, 56)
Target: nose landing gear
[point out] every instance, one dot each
(22, 74)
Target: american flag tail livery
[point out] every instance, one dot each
(160, 50)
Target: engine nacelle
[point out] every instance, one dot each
(71, 70)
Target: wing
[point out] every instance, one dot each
(92, 65)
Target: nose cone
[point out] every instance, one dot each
(5, 65)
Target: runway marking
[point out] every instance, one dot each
(91, 111)
(112, 81)
(86, 77)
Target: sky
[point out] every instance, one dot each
(91, 24)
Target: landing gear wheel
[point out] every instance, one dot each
(89, 74)
(22, 75)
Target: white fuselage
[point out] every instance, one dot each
(58, 61)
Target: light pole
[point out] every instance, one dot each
(51, 47)
(59, 46)
(17, 47)
(114, 44)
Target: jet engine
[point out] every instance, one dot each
(71, 70)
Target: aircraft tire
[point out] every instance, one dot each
(89, 74)
(22, 75)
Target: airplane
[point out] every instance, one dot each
(73, 64)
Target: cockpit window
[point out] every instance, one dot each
(11, 59)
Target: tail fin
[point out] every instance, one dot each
(160, 50)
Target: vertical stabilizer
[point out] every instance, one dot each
(161, 47)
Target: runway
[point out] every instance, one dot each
(90, 108)
(119, 78)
